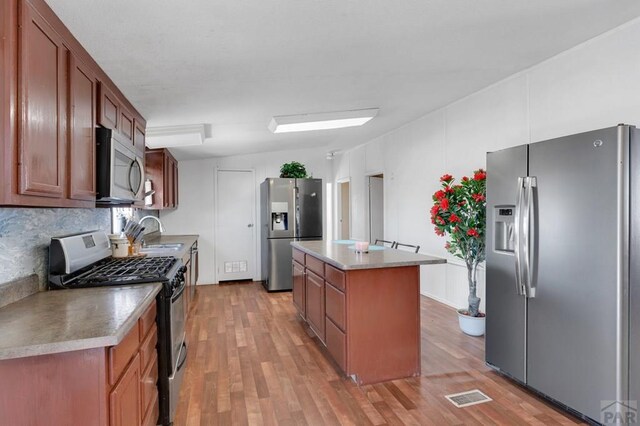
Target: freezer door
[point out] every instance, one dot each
(571, 349)
(506, 309)
(278, 206)
(309, 208)
(279, 256)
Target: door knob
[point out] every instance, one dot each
(250, 225)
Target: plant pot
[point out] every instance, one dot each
(473, 326)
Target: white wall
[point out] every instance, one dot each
(594, 85)
(196, 211)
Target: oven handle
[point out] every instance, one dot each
(184, 356)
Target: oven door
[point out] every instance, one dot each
(178, 317)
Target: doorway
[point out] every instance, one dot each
(376, 208)
(344, 215)
(235, 225)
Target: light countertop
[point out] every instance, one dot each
(68, 320)
(343, 257)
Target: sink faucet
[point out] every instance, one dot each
(154, 218)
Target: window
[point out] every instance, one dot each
(119, 216)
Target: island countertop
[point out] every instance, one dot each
(344, 257)
(68, 320)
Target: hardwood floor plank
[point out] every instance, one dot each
(252, 360)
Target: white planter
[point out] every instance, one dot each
(473, 326)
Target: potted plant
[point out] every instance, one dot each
(293, 170)
(459, 212)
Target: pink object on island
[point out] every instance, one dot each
(362, 246)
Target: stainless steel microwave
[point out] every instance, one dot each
(119, 171)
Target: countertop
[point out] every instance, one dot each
(57, 321)
(158, 238)
(345, 258)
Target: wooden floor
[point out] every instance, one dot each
(251, 360)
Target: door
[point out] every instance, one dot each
(43, 98)
(309, 208)
(376, 208)
(235, 219)
(506, 310)
(82, 144)
(571, 349)
(279, 264)
(125, 404)
(343, 211)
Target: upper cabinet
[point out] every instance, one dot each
(162, 169)
(52, 97)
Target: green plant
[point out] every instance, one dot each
(293, 170)
(459, 211)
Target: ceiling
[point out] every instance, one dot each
(234, 64)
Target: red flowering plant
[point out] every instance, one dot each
(459, 212)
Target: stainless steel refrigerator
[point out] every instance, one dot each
(563, 290)
(291, 210)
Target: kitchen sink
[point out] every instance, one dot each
(170, 246)
(161, 249)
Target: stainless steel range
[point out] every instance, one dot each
(84, 260)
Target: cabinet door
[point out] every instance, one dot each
(109, 108)
(168, 182)
(298, 288)
(315, 303)
(82, 154)
(43, 100)
(175, 183)
(126, 124)
(125, 403)
(138, 135)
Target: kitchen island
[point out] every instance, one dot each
(364, 307)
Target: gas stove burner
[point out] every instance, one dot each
(126, 271)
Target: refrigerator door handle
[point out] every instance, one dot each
(530, 233)
(517, 235)
(531, 238)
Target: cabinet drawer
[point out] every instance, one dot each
(298, 256)
(147, 320)
(151, 417)
(149, 388)
(336, 344)
(316, 265)
(335, 277)
(334, 307)
(120, 355)
(148, 347)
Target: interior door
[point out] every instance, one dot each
(572, 318)
(235, 225)
(376, 208)
(506, 310)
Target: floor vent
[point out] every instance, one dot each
(465, 399)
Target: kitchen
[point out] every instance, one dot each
(570, 88)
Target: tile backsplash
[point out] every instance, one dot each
(25, 234)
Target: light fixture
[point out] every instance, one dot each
(321, 121)
(175, 136)
(331, 155)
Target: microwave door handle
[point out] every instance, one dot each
(131, 169)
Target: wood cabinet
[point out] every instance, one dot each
(162, 169)
(369, 319)
(299, 288)
(82, 135)
(52, 96)
(43, 97)
(314, 290)
(190, 261)
(102, 386)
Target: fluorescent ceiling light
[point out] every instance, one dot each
(321, 121)
(175, 136)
